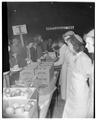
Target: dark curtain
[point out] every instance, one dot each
(5, 55)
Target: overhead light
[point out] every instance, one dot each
(60, 28)
(14, 10)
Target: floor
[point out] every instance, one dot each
(56, 106)
(58, 109)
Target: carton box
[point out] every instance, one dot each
(45, 74)
(44, 90)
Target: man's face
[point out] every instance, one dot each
(15, 42)
(70, 46)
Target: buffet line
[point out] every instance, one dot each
(27, 91)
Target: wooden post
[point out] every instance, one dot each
(21, 38)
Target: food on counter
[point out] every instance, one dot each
(15, 68)
(19, 110)
(7, 90)
(21, 102)
(13, 93)
(7, 95)
(22, 105)
(18, 92)
(15, 105)
(10, 110)
(27, 107)
(22, 93)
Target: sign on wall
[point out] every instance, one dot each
(19, 29)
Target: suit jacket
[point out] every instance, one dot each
(35, 53)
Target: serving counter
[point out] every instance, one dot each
(40, 76)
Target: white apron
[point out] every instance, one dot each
(77, 89)
(63, 81)
(91, 97)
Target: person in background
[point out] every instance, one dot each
(89, 39)
(28, 52)
(34, 50)
(49, 44)
(78, 71)
(21, 56)
(55, 48)
(42, 43)
(12, 60)
(18, 53)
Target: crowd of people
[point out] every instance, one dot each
(19, 54)
(77, 72)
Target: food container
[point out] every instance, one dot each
(45, 73)
(20, 111)
(28, 73)
(14, 104)
(46, 89)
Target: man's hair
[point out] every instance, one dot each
(77, 45)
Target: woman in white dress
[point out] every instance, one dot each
(89, 39)
(77, 75)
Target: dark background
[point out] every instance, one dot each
(38, 15)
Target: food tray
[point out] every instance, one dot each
(32, 113)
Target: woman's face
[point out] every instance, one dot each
(70, 47)
(90, 44)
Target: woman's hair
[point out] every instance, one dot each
(77, 45)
